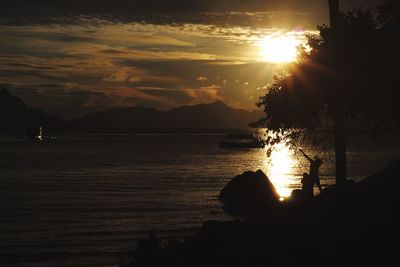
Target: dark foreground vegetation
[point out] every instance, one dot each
(354, 225)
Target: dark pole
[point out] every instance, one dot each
(333, 11)
(337, 106)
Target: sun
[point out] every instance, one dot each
(279, 49)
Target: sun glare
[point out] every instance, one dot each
(280, 166)
(279, 49)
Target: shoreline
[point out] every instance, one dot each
(350, 226)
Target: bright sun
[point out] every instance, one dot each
(279, 49)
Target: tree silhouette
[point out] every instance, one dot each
(347, 81)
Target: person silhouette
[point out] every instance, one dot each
(307, 188)
(312, 177)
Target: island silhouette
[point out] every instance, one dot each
(16, 117)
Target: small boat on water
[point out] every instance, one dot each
(35, 133)
(246, 136)
(243, 143)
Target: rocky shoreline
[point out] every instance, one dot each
(355, 225)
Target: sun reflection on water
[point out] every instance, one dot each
(280, 168)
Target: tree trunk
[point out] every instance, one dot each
(338, 107)
(340, 144)
(333, 12)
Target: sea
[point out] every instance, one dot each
(86, 199)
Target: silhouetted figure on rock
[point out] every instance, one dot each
(312, 177)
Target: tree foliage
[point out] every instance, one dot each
(356, 65)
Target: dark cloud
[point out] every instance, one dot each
(136, 101)
(52, 36)
(67, 103)
(179, 97)
(161, 12)
(30, 66)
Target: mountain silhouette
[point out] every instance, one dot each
(215, 115)
(15, 116)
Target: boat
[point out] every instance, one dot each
(254, 143)
(35, 133)
(247, 136)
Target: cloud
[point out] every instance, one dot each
(131, 75)
(221, 12)
(72, 57)
(112, 65)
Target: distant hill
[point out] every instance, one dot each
(215, 115)
(15, 116)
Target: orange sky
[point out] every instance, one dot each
(75, 60)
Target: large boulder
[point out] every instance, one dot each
(248, 193)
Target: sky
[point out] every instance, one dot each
(70, 57)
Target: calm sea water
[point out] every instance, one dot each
(84, 200)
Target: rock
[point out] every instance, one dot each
(148, 252)
(248, 193)
(298, 195)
